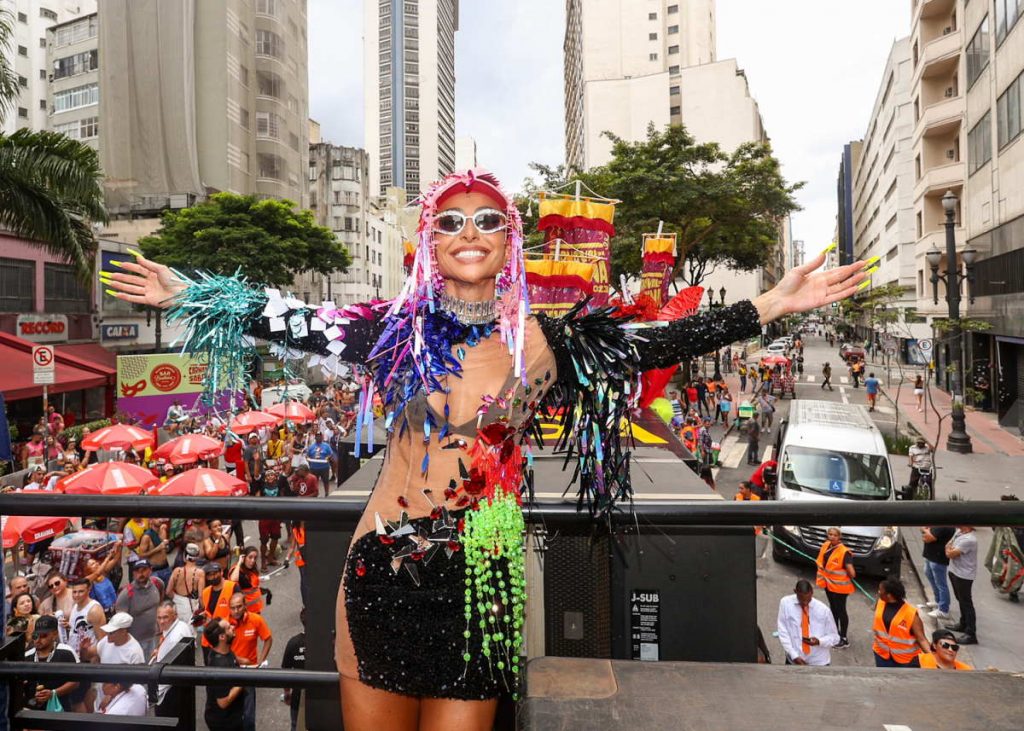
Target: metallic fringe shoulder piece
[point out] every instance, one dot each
(596, 389)
(218, 313)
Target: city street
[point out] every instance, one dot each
(776, 579)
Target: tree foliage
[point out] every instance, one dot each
(50, 185)
(726, 208)
(267, 240)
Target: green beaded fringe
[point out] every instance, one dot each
(497, 598)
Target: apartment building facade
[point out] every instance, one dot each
(623, 66)
(883, 220)
(73, 91)
(31, 21)
(409, 91)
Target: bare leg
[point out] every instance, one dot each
(440, 714)
(369, 709)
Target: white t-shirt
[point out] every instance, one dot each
(130, 653)
(168, 641)
(131, 702)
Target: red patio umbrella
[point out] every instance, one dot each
(32, 528)
(108, 478)
(773, 359)
(293, 411)
(251, 421)
(202, 482)
(119, 436)
(189, 449)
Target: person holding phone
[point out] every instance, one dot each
(806, 628)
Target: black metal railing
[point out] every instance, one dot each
(345, 514)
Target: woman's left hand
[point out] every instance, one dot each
(804, 289)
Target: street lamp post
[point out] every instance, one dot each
(958, 440)
(718, 353)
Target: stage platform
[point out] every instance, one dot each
(611, 695)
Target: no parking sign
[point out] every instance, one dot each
(42, 365)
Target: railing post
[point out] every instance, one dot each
(12, 649)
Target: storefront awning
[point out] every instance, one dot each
(73, 373)
(92, 352)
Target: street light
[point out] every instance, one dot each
(958, 440)
(718, 353)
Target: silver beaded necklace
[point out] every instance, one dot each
(468, 313)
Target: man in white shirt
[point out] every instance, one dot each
(171, 631)
(117, 647)
(806, 627)
(122, 699)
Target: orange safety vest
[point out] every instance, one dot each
(758, 530)
(253, 595)
(928, 662)
(896, 642)
(222, 610)
(832, 573)
(300, 542)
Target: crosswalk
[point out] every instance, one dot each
(844, 380)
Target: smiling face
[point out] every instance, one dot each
(470, 260)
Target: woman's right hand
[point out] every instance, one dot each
(144, 282)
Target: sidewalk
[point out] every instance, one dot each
(987, 436)
(974, 477)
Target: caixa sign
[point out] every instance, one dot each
(43, 328)
(119, 332)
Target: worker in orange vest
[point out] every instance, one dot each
(297, 547)
(246, 575)
(747, 493)
(215, 598)
(899, 633)
(943, 654)
(835, 575)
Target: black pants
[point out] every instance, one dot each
(837, 603)
(962, 592)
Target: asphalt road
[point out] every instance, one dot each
(776, 579)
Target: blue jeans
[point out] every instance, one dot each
(936, 573)
(881, 662)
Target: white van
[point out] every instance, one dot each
(830, 451)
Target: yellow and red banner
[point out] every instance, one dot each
(659, 256)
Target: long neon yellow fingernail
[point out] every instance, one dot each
(872, 270)
(829, 248)
(117, 263)
(864, 284)
(872, 260)
(111, 292)
(133, 252)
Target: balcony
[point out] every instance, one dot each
(931, 9)
(939, 51)
(941, 178)
(941, 119)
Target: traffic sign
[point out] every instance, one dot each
(925, 345)
(42, 365)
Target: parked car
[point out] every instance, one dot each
(848, 352)
(777, 348)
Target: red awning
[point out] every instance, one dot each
(93, 352)
(72, 372)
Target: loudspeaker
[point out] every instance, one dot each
(577, 586)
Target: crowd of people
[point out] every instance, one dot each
(132, 595)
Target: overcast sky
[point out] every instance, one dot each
(813, 66)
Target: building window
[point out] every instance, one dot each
(62, 290)
(243, 117)
(268, 125)
(48, 14)
(673, 89)
(243, 74)
(269, 43)
(1007, 13)
(79, 96)
(979, 144)
(977, 53)
(22, 51)
(79, 63)
(42, 104)
(673, 9)
(673, 49)
(652, 56)
(673, 29)
(652, 16)
(675, 111)
(17, 285)
(267, 7)
(81, 30)
(673, 70)
(1008, 113)
(652, 36)
(23, 112)
(270, 166)
(268, 84)
(23, 82)
(80, 129)
(22, 18)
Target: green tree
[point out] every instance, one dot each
(725, 208)
(50, 185)
(268, 240)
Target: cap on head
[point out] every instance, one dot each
(939, 634)
(142, 563)
(212, 568)
(121, 620)
(46, 623)
(192, 551)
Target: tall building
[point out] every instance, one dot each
(992, 208)
(74, 91)
(623, 65)
(409, 88)
(31, 20)
(844, 199)
(717, 106)
(198, 97)
(883, 204)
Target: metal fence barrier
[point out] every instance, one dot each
(345, 514)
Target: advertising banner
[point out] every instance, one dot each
(148, 385)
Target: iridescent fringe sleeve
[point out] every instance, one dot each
(222, 315)
(593, 396)
(664, 346)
